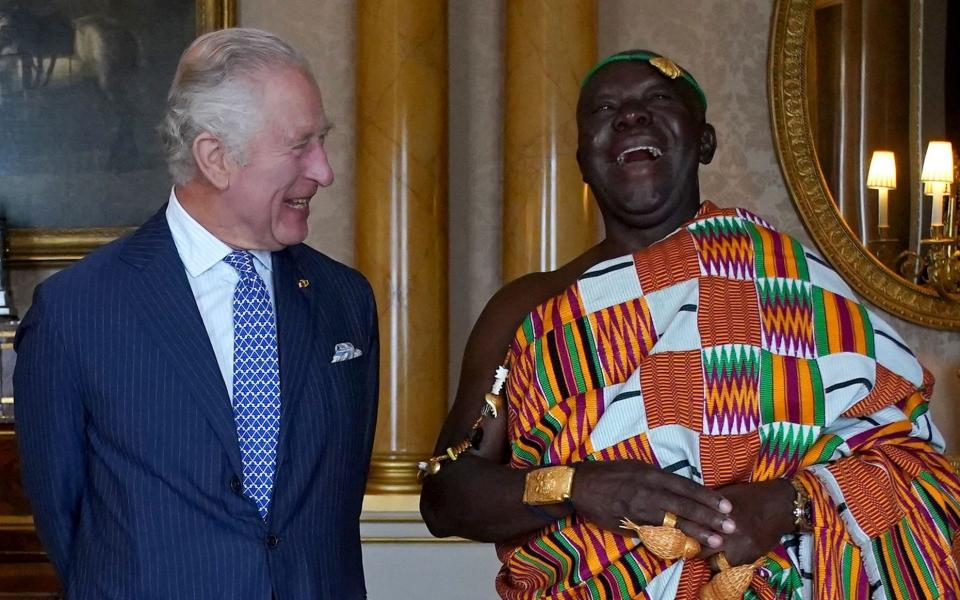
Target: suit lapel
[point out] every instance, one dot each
(168, 311)
(301, 330)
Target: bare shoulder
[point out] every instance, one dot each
(495, 328)
(507, 308)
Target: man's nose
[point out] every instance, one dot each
(630, 115)
(318, 166)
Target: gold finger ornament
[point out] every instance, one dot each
(669, 543)
(669, 520)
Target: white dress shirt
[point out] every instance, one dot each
(213, 281)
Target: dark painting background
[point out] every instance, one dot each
(69, 157)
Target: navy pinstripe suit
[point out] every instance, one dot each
(128, 445)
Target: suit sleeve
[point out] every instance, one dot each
(50, 431)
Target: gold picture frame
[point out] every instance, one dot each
(793, 139)
(41, 247)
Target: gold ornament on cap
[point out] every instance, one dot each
(668, 543)
(666, 66)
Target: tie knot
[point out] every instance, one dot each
(241, 260)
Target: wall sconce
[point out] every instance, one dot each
(937, 176)
(882, 176)
(939, 258)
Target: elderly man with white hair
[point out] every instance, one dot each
(196, 401)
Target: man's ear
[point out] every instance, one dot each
(708, 143)
(211, 158)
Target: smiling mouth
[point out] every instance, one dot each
(298, 203)
(639, 153)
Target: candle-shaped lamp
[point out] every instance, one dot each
(882, 176)
(937, 175)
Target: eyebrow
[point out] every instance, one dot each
(324, 130)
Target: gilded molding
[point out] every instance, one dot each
(793, 139)
(56, 247)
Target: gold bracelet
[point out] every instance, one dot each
(549, 485)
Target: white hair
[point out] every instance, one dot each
(215, 90)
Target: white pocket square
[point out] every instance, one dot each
(345, 351)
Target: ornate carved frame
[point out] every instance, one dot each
(793, 139)
(54, 247)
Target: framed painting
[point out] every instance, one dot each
(82, 88)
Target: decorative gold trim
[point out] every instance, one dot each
(393, 474)
(57, 247)
(793, 139)
(16, 523)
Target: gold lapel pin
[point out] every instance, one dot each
(303, 283)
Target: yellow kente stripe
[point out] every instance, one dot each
(833, 322)
(807, 402)
(789, 257)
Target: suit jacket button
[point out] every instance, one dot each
(272, 541)
(235, 484)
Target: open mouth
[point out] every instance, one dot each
(298, 203)
(639, 154)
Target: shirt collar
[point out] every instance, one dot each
(199, 249)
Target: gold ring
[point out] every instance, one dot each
(720, 562)
(691, 547)
(669, 520)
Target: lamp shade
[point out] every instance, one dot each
(883, 171)
(938, 163)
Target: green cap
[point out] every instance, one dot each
(666, 66)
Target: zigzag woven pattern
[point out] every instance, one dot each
(729, 352)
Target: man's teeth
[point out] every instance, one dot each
(299, 202)
(653, 150)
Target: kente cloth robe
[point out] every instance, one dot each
(728, 352)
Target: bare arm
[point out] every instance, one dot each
(479, 496)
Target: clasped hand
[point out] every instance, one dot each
(743, 520)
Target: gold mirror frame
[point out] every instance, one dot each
(793, 139)
(56, 247)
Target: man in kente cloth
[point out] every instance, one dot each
(696, 395)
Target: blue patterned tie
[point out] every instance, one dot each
(256, 380)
